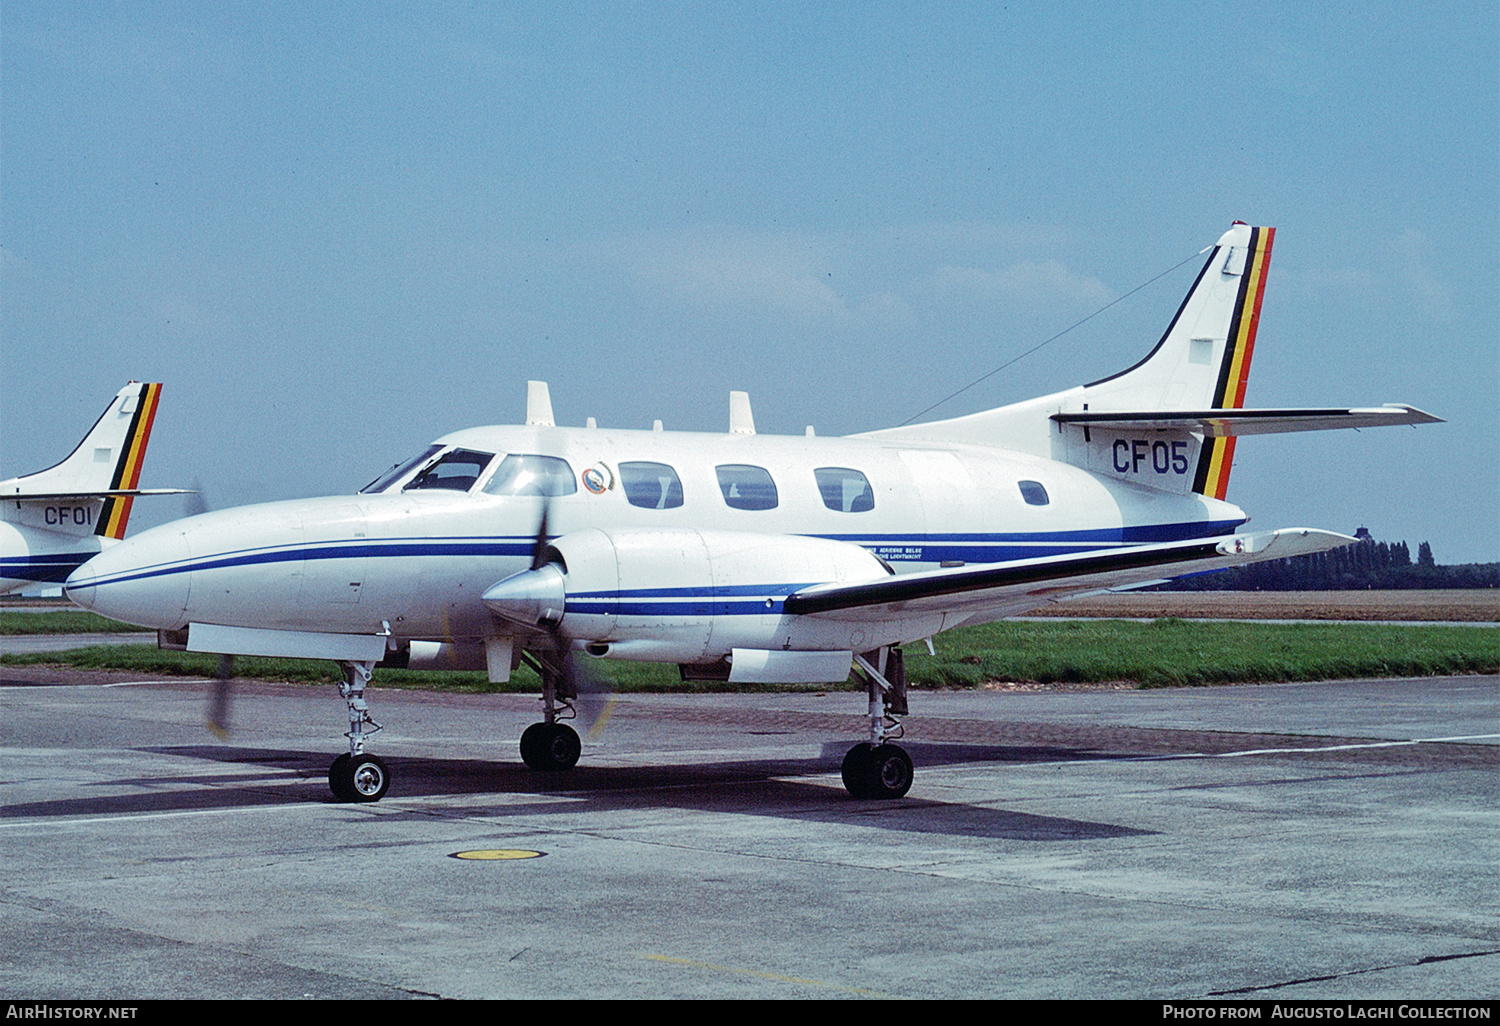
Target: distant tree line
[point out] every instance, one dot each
(1365, 564)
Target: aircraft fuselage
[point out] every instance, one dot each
(419, 559)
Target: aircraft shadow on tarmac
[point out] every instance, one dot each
(749, 787)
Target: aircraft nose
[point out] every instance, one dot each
(79, 587)
(142, 580)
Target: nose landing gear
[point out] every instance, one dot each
(357, 777)
(363, 778)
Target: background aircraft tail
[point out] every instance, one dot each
(91, 491)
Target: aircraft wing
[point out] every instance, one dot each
(1017, 585)
(1227, 423)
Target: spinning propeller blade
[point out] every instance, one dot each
(578, 678)
(220, 698)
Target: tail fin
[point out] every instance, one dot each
(1169, 422)
(1203, 360)
(1201, 363)
(102, 472)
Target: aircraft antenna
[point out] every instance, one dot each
(1054, 338)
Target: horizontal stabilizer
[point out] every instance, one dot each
(1232, 423)
(33, 496)
(1005, 589)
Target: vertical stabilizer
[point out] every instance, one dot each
(1203, 360)
(1200, 364)
(107, 460)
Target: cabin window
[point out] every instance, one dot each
(1033, 493)
(399, 471)
(455, 471)
(746, 487)
(522, 474)
(845, 490)
(651, 485)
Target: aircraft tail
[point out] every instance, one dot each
(91, 491)
(1170, 421)
(1203, 360)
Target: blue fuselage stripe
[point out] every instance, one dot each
(922, 548)
(43, 569)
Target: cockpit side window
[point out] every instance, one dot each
(1033, 493)
(522, 474)
(845, 489)
(651, 485)
(456, 471)
(746, 487)
(399, 471)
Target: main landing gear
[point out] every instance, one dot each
(357, 777)
(877, 768)
(550, 746)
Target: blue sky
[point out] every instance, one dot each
(336, 231)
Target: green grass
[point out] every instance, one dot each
(1171, 652)
(1163, 653)
(62, 621)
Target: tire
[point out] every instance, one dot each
(550, 747)
(890, 772)
(362, 778)
(856, 770)
(337, 774)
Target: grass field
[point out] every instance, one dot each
(1161, 653)
(1454, 605)
(61, 621)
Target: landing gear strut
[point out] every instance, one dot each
(550, 746)
(877, 768)
(357, 777)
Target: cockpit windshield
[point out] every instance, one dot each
(524, 474)
(456, 470)
(399, 471)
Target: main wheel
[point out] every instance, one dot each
(890, 772)
(361, 778)
(550, 746)
(856, 770)
(871, 771)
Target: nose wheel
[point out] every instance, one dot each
(358, 778)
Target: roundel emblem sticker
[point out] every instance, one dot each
(598, 479)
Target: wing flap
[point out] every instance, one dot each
(1018, 585)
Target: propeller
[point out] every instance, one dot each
(221, 697)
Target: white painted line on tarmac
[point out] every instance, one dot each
(1343, 748)
(139, 683)
(50, 824)
(117, 684)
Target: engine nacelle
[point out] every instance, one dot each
(686, 596)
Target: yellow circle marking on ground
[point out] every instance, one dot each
(494, 854)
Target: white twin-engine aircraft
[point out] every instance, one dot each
(55, 520)
(740, 557)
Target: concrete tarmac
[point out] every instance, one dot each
(1301, 841)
